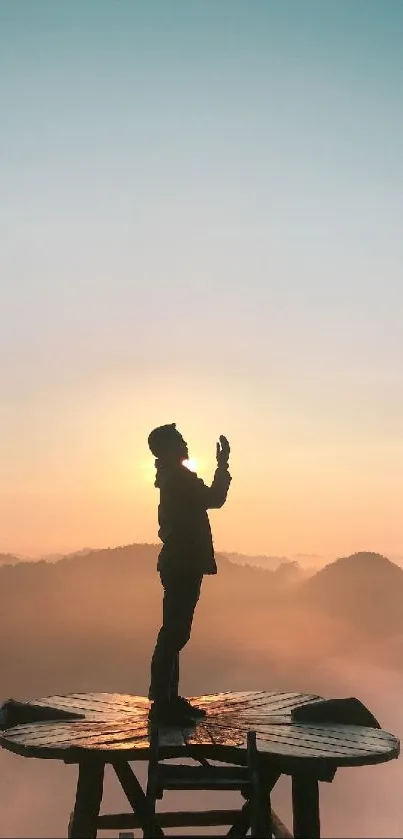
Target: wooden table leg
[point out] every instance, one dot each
(242, 823)
(305, 806)
(88, 799)
(264, 781)
(137, 799)
(256, 813)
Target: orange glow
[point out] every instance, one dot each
(87, 478)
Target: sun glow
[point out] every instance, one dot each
(190, 464)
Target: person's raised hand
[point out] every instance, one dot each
(222, 451)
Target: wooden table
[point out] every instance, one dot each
(114, 730)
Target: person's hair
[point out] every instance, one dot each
(160, 439)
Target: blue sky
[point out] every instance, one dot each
(201, 216)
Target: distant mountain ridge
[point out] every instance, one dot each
(365, 588)
(67, 618)
(262, 560)
(9, 559)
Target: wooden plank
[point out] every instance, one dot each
(329, 733)
(248, 704)
(305, 805)
(22, 713)
(216, 737)
(137, 799)
(95, 705)
(241, 824)
(199, 736)
(200, 777)
(88, 800)
(88, 735)
(219, 736)
(355, 743)
(279, 830)
(188, 818)
(171, 737)
(77, 732)
(271, 705)
(260, 804)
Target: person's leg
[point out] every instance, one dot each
(190, 593)
(180, 598)
(163, 659)
(175, 677)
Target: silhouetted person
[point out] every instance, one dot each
(186, 555)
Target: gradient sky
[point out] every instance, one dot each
(201, 216)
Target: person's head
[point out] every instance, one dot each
(167, 442)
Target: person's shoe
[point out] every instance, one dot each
(170, 713)
(187, 708)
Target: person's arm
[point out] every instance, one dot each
(214, 496)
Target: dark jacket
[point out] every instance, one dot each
(184, 526)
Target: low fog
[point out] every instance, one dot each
(88, 623)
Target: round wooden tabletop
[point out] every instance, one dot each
(116, 725)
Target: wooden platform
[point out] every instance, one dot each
(119, 723)
(115, 730)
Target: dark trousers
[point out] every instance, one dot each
(181, 593)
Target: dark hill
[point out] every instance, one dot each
(366, 589)
(8, 559)
(89, 622)
(71, 621)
